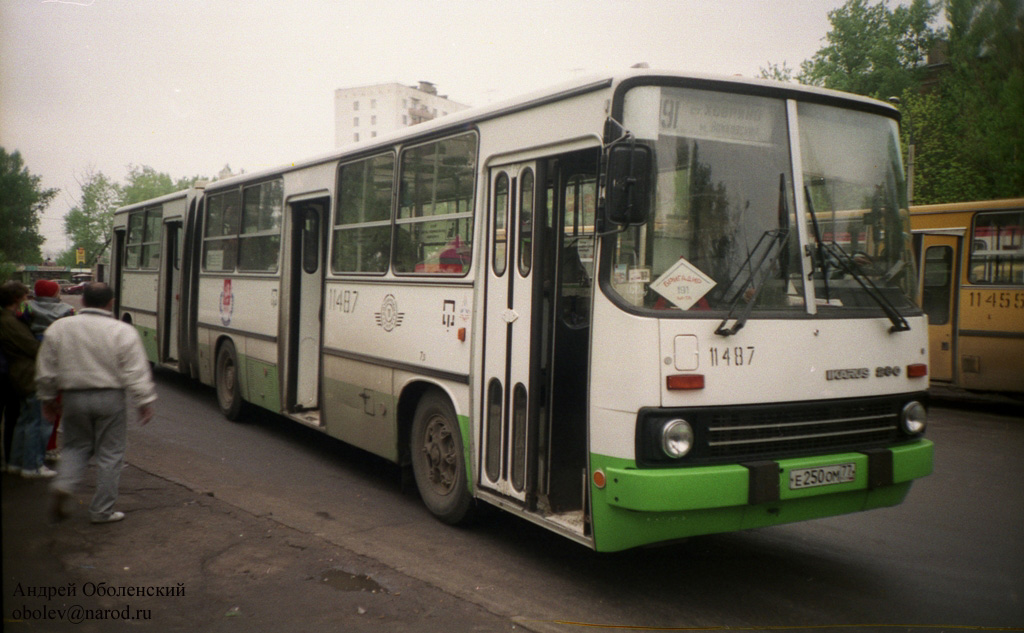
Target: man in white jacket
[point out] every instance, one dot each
(99, 366)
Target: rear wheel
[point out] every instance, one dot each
(229, 394)
(438, 459)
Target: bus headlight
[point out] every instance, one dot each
(914, 418)
(676, 438)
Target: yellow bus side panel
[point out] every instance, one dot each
(991, 364)
(991, 338)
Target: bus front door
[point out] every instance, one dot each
(940, 279)
(511, 335)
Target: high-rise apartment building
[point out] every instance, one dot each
(365, 112)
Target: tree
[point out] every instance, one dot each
(90, 222)
(966, 126)
(145, 183)
(22, 200)
(986, 82)
(777, 72)
(932, 126)
(961, 110)
(872, 50)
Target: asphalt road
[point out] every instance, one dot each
(951, 556)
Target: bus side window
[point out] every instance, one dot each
(259, 245)
(220, 241)
(434, 227)
(142, 248)
(997, 248)
(362, 223)
(938, 273)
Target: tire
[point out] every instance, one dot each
(229, 393)
(438, 460)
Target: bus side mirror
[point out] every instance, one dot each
(628, 178)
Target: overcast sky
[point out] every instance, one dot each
(187, 86)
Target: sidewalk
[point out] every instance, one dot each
(185, 561)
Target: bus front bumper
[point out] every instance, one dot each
(638, 507)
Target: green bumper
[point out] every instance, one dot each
(638, 507)
(149, 343)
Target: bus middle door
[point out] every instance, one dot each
(170, 300)
(304, 308)
(511, 336)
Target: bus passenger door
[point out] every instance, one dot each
(572, 200)
(511, 335)
(171, 300)
(304, 307)
(940, 279)
(117, 255)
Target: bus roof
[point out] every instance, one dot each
(960, 207)
(465, 119)
(154, 201)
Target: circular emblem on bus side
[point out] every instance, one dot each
(389, 317)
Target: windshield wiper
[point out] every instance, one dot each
(847, 265)
(850, 267)
(822, 262)
(776, 239)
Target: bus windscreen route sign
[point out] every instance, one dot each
(683, 284)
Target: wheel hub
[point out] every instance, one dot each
(439, 450)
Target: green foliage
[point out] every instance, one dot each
(777, 72)
(7, 270)
(941, 172)
(967, 128)
(89, 224)
(22, 200)
(145, 183)
(963, 110)
(67, 258)
(872, 50)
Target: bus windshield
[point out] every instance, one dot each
(724, 230)
(856, 206)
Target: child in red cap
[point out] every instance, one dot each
(42, 311)
(46, 307)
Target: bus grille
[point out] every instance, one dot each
(737, 435)
(750, 433)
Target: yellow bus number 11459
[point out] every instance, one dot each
(996, 299)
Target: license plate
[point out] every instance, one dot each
(822, 476)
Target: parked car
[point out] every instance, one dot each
(75, 289)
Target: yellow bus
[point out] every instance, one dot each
(971, 258)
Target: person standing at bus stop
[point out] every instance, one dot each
(99, 367)
(20, 348)
(41, 311)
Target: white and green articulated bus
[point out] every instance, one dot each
(631, 309)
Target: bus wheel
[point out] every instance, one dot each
(229, 394)
(438, 460)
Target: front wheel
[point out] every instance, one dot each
(438, 460)
(229, 393)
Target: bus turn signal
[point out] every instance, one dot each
(918, 370)
(685, 381)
